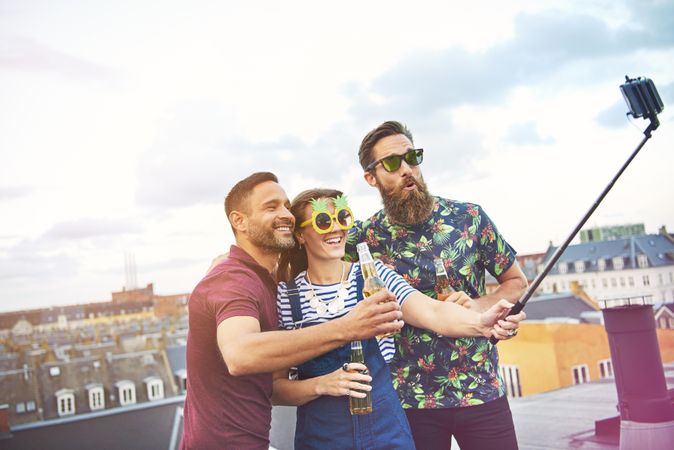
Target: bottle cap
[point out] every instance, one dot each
(364, 253)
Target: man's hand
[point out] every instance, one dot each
(497, 327)
(376, 315)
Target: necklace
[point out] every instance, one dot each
(332, 306)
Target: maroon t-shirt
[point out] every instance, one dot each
(223, 411)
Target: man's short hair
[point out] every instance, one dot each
(386, 129)
(238, 196)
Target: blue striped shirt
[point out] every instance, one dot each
(326, 292)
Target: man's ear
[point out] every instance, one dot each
(239, 221)
(370, 178)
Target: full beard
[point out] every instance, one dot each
(267, 240)
(407, 207)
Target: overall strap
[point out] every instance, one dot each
(359, 284)
(295, 302)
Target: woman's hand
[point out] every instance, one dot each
(344, 382)
(462, 299)
(501, 328)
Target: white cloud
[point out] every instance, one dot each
(123, 125)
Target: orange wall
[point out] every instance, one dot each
(666, 341)
(545, 353)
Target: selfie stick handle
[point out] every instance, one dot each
(551, 262)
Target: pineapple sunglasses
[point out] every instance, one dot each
(323, 221)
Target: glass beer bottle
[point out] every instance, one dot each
(442, 286)
(359, 405)
(371, 281)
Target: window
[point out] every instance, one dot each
(127, 392)
(580, 374)
(618, 263)
(20, 408)
(671, 277)
(563, 268)
(630, 280)
(511, 378)
(613, 282)
(30, 406)
(65, 402)
(647, 280)
(606, 368)
(604, 282)
(579, 266)
(622, 281)
(642, 261)
(96, 398)
(594, 285)
(54, 371)
(662, 321)
(661, 280)
(155, 388)
(601, 264)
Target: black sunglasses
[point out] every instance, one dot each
(413, 157)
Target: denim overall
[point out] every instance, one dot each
(326, 423)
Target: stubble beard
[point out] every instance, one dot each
(407, 207)
(266, 240)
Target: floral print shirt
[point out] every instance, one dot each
(428, 370)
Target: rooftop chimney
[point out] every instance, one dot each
(4, 421)
(646, 413)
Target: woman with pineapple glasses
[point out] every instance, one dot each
(317, 286)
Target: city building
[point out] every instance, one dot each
(611, 232)
(634, 266)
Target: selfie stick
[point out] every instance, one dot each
(643, 100)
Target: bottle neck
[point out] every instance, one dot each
(368, 269)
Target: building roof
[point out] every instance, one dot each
(141, 426)
(177, 358)
(659, 250)
(560, 305)
(565, 418)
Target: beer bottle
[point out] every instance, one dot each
(359, 405)
(442, 286)
(371, 281)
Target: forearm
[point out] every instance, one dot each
(294, 392)
(273, 350)
(446, 318)
(510, 290)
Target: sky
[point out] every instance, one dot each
(124, 124)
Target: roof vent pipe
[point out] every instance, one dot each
(646, 413)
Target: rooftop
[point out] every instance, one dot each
(564, 418)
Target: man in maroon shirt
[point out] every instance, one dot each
(233, 344)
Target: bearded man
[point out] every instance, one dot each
(232, 345)
(448, 386)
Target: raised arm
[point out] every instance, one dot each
(450, 319)
(512, 284)
(247, 350)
